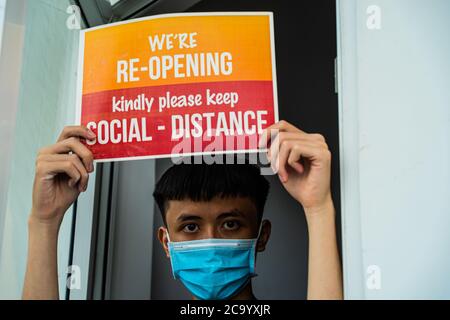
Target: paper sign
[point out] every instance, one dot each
(178, 84)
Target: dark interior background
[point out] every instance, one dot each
(305, 37)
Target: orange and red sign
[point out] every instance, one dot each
(176, 84)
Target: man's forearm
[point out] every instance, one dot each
(324, 270)
(41, 278)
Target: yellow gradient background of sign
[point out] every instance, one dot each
(247, 38)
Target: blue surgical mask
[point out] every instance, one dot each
(213, 269)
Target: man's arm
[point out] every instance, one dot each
(41, 279)
(324, 268)
(62, 173)
(303, 164)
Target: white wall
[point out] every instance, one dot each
(395, 136)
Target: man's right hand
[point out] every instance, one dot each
(62, 173)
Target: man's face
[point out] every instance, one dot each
(226, 218)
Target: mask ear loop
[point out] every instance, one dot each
(255, 245)
(260, 229)
(259, 232)
(168, 238)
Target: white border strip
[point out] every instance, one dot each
(347, 50)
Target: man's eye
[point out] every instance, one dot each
(192, 227)
(231, 225)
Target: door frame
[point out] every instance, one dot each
(347, 85)
(93, 227)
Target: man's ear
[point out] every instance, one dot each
(266, 228)
(162, 237)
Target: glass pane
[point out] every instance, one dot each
(41, 74)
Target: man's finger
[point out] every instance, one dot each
(292, 151)
(74, 145)
(271, 131)
(76, 162)
(294, 160)
(280, 138)
(285, 126)
(281, 159)
(76, 131)
(50, 169)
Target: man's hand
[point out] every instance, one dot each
(303, 163)
(62, 172)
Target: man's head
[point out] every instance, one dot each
(200, 201)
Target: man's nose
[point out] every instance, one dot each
(211, 232)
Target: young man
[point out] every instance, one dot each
(212, 215)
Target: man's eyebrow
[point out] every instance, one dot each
(232, 213)
(187, 216)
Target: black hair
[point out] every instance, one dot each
(203, 182)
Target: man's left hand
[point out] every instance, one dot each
(302, 161)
